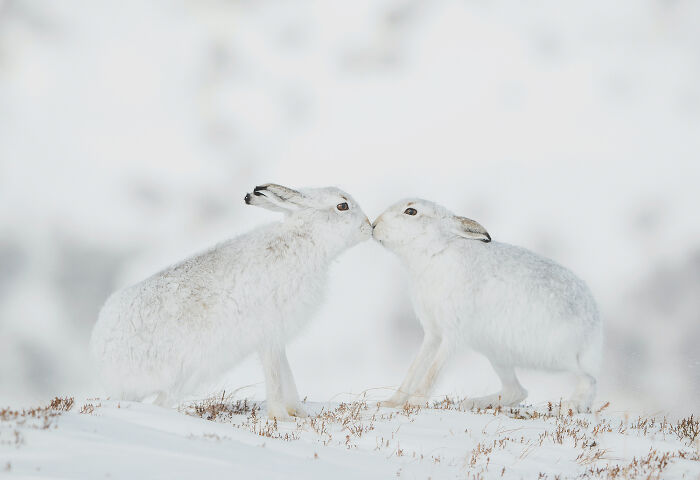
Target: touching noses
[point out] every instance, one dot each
(366, 227)
(376, 222)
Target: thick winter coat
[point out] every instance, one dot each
(512, 305)
(193, 321)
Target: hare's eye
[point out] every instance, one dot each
(410, 211)
(342, 206)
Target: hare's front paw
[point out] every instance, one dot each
(296, 411)
(277, 411)
(418, 401)
(390, 403)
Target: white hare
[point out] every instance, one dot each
(193, 321)
(513, 306)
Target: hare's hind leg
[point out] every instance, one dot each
(511, 394)
(420, 365)
(587, 367)
(583, 395)
(586, 386)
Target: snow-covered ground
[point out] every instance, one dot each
(232, 438)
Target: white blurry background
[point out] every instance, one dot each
(130, 131)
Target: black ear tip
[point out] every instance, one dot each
(259, 188)
(247, 198)
(487, 239)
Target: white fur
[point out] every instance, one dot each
(193, 321)
(513, 306)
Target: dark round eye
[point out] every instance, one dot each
(410, 211)
(342, 206)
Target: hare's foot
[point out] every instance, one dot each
(511, 394)
(163, 399)
(583, 396)
(395, 401)
(418, 401)
(414, 401)
(277, 411)
(574, 405)
(295, 410)
(504, 398)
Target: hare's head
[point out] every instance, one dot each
(419, 225)
(328, 212)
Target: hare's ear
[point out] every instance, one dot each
(468, 228)
(275, 197)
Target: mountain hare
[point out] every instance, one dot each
(513, 306)
(193, 321)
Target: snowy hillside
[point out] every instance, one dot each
(231, 438)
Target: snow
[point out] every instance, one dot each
(225, 437)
